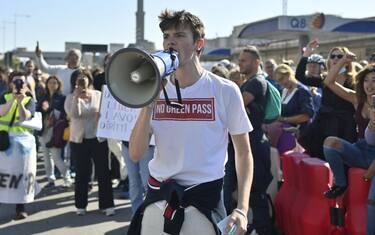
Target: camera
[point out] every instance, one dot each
(18, 83)
(81, 82)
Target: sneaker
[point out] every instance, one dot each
(109, 211)
(67, 184)
(81, 211)
(50, 184)
(20, 215)
(335, 191)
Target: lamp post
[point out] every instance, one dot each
(15, 26)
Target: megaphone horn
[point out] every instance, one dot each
(134, 77)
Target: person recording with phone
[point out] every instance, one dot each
(82, 107)
(18, 149)
(339, 152)
(335, 116)
(186, 173)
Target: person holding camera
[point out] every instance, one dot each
(52, 108)
(17, 146)
(82, 108)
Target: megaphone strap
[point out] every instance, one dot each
(179, 99)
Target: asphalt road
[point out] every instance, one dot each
(53, 212)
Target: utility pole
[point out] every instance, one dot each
(140, 24)
(285, 7)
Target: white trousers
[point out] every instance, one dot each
(52, 157)
(195, 223)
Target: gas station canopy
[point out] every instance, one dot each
(314, 26)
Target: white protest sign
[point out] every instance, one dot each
(18, 170)
(116, 120)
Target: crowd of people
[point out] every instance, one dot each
(187, 181)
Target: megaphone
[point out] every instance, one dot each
(134, 77)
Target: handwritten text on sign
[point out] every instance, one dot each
(116, 121)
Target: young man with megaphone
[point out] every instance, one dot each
(186, 174)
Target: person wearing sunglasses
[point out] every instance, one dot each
(335, 116)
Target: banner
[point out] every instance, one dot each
(18, 170)
(116, 121)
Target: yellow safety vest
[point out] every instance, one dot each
(5, 120)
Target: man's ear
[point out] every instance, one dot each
(199, 44)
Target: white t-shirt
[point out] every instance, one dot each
(61, 71)
(191, 144)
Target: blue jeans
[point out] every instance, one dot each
(138, 174)
(359, 154)
(371, 209)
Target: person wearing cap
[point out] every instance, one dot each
(63, 72)
(315, 67)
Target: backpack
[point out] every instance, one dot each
(272, 110)
(58, 133)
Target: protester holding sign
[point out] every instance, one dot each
(18, 159)
(82, 107)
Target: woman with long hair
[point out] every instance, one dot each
(339, 152)
(51, 106)
(335, 116)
